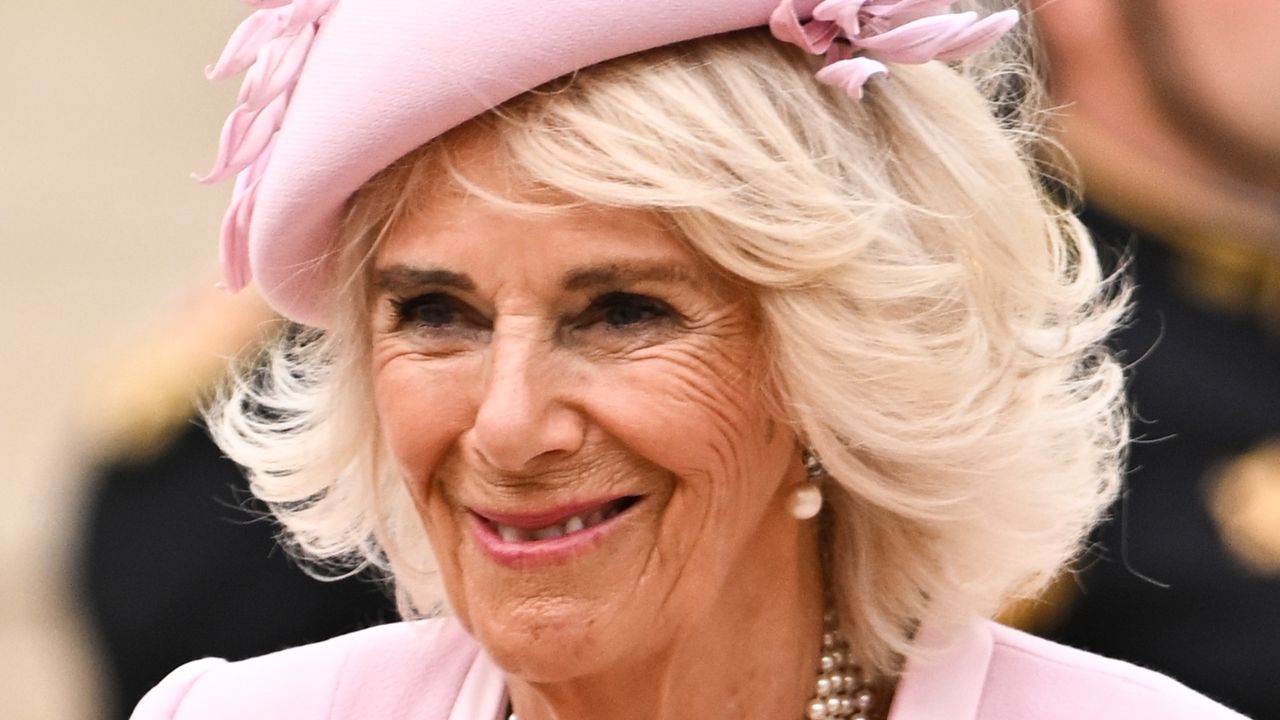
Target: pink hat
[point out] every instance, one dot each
(336, 90)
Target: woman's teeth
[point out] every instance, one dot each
(574, 524)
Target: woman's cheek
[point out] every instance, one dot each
(682, 411)
(423, 408)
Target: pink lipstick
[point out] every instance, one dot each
(545, 537)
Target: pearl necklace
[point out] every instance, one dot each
(842, 690)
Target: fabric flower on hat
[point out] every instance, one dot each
(859, 36)
(271, 47)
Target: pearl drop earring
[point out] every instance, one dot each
(806, 501)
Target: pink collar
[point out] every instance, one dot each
(947, 679)
(946, 682)
(484, 692)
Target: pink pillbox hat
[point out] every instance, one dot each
(336, 90)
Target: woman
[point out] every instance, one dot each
(690, 385)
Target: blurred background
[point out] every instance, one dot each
(124, 546)
(127, 544)
(104, 114)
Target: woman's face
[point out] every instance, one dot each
(577, 403)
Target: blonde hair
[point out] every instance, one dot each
(934, 322)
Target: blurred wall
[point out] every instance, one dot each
(104, 113)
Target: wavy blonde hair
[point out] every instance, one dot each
(934, 321)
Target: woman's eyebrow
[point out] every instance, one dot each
(615, 274)
(404, 278)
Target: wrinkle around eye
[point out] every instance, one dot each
(427, 343)
(396, 347)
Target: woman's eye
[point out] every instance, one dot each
(433, 310)
(624, 310)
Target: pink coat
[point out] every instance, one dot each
(432, 670)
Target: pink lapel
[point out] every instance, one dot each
(947, 680)
(484, 692)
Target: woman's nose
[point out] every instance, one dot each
(524, 418)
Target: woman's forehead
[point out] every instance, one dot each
(574, 248)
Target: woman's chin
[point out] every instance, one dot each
(557, 623)
(553, 646)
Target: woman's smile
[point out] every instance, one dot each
(530, 539)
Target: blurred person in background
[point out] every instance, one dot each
(177, 560)
(1172, 111)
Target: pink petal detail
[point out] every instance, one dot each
(306, 12)
(918, 41)
(980, 35)
(889, 14)
(850, 75)
(902, 31)
(277, 68)
(259, 167)
(812, 37)
(272, 44)
(233, 241)
(255, 31)
(244, 136)
(845, 13)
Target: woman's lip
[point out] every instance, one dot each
(542, 518)
(533, 554)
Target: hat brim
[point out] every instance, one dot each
(383, 77)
